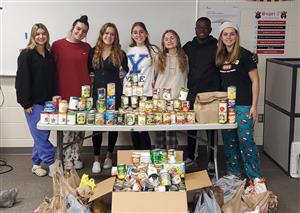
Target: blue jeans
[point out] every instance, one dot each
(239, 146)
(42, 149)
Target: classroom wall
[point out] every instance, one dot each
(15, 133)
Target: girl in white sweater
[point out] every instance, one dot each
(171, 66)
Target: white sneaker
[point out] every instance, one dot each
(38, 170)
(78, 164)
(107, 163)
(51, 170)
(96, 167)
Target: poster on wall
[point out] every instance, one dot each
(218, 15)
(270, 31)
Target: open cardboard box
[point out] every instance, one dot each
(158, 202)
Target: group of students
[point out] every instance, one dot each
(202, 65)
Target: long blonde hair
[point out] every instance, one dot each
(223, 55)
(116, 52)
(32, 44)
(162, 55)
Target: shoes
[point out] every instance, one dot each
(51, 170)
(38, 170)
(96, 167)
(78, 164)
(107, 163)
(211, 166)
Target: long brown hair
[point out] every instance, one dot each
(223, 55)
(32, 44)
(162, 55)
(116, 52)
(150, 47)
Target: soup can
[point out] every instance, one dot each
(55, 100)
(150, 120)
(231, 92)
(141, 119)
(121, 117)
(148, 106)
(134, 102)
(89, 103)
(73, 103)
(173, 117)
(63, 106)
(222, 112)
(53, 118)
(183, 93)
(44, 118)
(101, 93)
(169, 105)
(124, 101)
(171, 156)
(185, 106)
(161, 105)
(177, 105)
(49, 106)
(110, 117)
(71, 117)
(90, 117)
(85, 91)
(81, 104)
(155, 93)
(111, 89)
(101, 105)
(180, 118)
(158, 118)
(62, 118)
(130, 118)
(166, 94)
(81, 118)
(190, 117)
(231, 115)
(111, 102)
(166, 118)
(100, 118)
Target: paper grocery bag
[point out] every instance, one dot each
(206, 106)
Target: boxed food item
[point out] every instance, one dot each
(146, 201)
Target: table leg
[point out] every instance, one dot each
(216, 154)
(60, 144)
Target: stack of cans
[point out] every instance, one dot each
(231, 100)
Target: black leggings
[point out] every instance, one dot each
(141, 140)
(97, 141)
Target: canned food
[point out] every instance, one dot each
(154, 102)
(141, 119)
(134, 102)
(128, 90)
(171, 156)
(114, 171)
(73, 103)
(231, 115)
(150, 118)
(121, 169)
(81, 118)
(169, 105)
(176, 179)
(166, 94)
(44, 117)
(231, 103)
(53, 118)
(183, 93)
(180, 119)
(90, 118)
(142, 105)
(148, 106)
(155, 156)
(111, 89)
(89, 103)
(165, 178)
(71, 117)
(143, 98)
(158, 118)
(177, 105)
(111, 102)
(163, 154)
(173, 117)
(101, 92)
(124, 101)
(81, 104)
(49, 106)
(231, 92)
(120, 117)
(139, 90)
(222, 112)
(185, 106)
(161, 105)
(55, 100)
(101, 105)
(190, 117)
(85, 91)
(166, 118)
(100, 118)
(62, 118)
(130, 118)
(136, 159)
(63, 106)
(110, 117)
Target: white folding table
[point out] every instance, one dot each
(135, 128)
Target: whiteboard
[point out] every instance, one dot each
(17, 18)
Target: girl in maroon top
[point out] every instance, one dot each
(71, 58)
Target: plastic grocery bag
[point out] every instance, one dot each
(207, 202)
(73, 205)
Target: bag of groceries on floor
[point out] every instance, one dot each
(73, 205)
(64, 183)
(206, 106)
(207, 202)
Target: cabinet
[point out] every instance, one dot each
(281, 109)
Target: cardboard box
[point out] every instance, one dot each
(156, 202)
